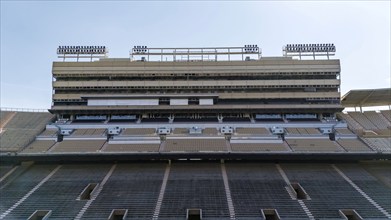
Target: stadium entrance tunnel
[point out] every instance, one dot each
(193, 214)
(349, 214)
(301, 194)
(88, 191)
(270, 214)
(40, 215)
(118, 214)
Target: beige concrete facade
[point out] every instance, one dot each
(235, 86)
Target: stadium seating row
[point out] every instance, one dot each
(376, 123)
(131, 148)
(379, 144)
(89, 132)
(258, 147)
(203, 185)
(313, 145)
(195, 145)
(78, 146)
(22, 128)
(302, 131)
(205, 145)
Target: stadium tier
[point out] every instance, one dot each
(18, 129)
(230, 190)
(198, 133)
(195, 89)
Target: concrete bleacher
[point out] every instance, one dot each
(362, 120)
(343, 131)
(49, 133)
(194, 185)
(138, 131)
(384, 132)
(353, 145)
(379, 144)
(4, 169)
(291, 131)
(58, 194)
(210, 131)
(195, 145)
(134, 187)
(313, 145)
(181, 131)
(252, 131)
(312, 130)
(77, 146)
(377, 119)
(386, 114)
(183, 185)
(89, 132)
(379, 170)
(258, 147)
(369, 123)
(39, 146)
(302, 131)
(329, 191)
(353, 125)
(11, 193)
(256, 186)
(22, 129)
(130, 147)
(374, 188)
(5, 117)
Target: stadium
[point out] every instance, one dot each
(198, 133)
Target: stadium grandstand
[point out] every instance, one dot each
(198, 133)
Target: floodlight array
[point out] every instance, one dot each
(251, 48)
(81, 50)
(139, 49)
(304, 48)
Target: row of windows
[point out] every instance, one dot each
(242, 74)
(177, 78)
(198, 87)
(163, 101)
(190, 90)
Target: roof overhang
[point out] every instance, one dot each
(367, 98)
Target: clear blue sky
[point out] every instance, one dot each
(32, 30)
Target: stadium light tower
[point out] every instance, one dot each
(309, 50)
(81, 52)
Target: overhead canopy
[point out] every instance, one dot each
(367, 97)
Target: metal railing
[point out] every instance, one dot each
(10, 109)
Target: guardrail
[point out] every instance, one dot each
(22, 109)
